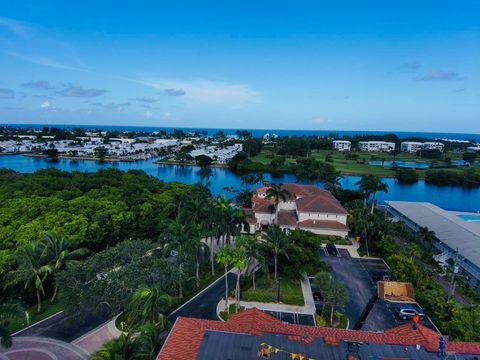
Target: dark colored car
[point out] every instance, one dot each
(408, 311)
(332, 249)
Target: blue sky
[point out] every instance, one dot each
(340, 65)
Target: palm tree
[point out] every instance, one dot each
(32, 269)
(323, 280)
(370, 185)
(147, 305)
(224, 257)
(56, 248)
(9, 312)
(426, 235)
(178, 236)
(333, 185)
(240, 262)
(252, 251)
(366, 226)
(123, 348)
(277, 192)
(277, 241)
(337, 295)
(195, 247)
(150, 339)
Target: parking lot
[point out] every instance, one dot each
(383, 316)
(364, 310)
(293, 318)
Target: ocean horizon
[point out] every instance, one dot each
(258, 132)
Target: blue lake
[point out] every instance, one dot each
(447, 197)
(404, 164)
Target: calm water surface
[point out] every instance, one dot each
(450, 198)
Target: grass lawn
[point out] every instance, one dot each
(266, 291)
(361, 166)
(47, 310)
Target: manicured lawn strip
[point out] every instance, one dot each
(353, 167)
(290, 291)
(48, 309)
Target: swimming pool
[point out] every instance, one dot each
(469, 217)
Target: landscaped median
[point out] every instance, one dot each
(295, 297)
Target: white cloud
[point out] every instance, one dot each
(148, 114)
(167, 115)
(15, 26)
(44, 61)
(206, 92)
(45, 105)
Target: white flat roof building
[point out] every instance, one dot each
(451, 231)
(342, 145)
(383, 146)
(431, 145)
(410, 146)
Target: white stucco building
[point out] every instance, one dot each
(342, 145)
(411, 146)
(308, 208)
(432, 145)
(382, 146)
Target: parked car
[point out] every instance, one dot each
(408, 311)
(332, 249)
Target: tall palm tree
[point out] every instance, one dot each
(277, 192)
(178, 236)
(57, 249)
(323, 280)
(225, 257)
(252, 251)
(239, 261)
(337, 295)
(147, 305)
(9, 312)
(123, 348)
(32, 269)
(277, 241)
(195, 247)
(366, 227)
(370, 185)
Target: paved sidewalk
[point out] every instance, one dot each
(93, 340)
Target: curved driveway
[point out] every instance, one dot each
(204, 304)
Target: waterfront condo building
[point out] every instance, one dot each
(308, 208)
(411, 146)
(433, 145)
(381, 146)
(342, 145)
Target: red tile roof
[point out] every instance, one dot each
(287, 218)
(186, 336)
(322, 224)
(308, 198)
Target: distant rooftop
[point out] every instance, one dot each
(448, 227)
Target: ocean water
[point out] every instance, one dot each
(261, 132)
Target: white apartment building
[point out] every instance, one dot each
(431, 145)
(411, 146)
(383, 146)
(342, 145)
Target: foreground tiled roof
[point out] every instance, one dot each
(186, 336)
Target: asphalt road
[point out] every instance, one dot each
(63, 327)
(204, 305)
